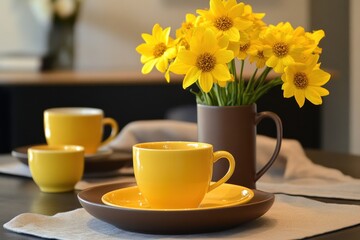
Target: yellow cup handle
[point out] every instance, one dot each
(218, 155)
(114, 130)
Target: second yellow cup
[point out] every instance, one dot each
(176, 175)
(78, 126)
(56, 168)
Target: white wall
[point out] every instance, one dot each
(109, 31)
(21, 32)
(354, 77)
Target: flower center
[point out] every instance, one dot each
(280, 49)
(260, 55)
(187, 26)
(223, 23)
(184, 43)
(205, 62)
(159, 50)
(300, 80)
(244, 47)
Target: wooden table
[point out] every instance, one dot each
(19, 195)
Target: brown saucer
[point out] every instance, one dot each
(172, 222)
(103, 161)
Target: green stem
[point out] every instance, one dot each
(263, 76)
(260, 91)
(250, 87)
(218, 94)
(241, 84)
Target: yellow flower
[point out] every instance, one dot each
(205, 61)
(256, 54)
(191, 21)
(208, 44)
(256, 18)
(314, 39)
(248, 35)
(157, 50)
(304, 80)
(184, 33)
(283, 47)
(225, 18)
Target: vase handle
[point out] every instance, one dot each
(279, 135)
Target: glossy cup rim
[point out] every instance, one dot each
(56, 148)
(81, 111)
(166, 145)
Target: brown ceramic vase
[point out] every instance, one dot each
(233, 129)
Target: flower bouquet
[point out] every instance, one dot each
(210, 46)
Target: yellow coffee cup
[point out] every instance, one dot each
(175, 174)
(56, 168)
(78, 126)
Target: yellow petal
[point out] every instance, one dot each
(224, 56)
(222, 83)
(237, 10)
(145, 59)
(221, 72)
(289, 90)
(279, 68)
(206, 81)
(187, 57)
(145, 49)
(217, 7)
(300, 98)
(242, 24)
(167, 75)
(233, 34)
(157, 32)
(319, 77)
(148, 66)
(148, 38)
(272, 61)
(165, 35)
(287, 60)
(179, 67)
(223, 41)
(235, 47)
(313, 96)
(321, 91)
(170, 53)
(191, 77)
(162, 64)
(209, 41)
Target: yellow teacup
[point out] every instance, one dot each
(56, 168)
(176, 175)
(78, 126)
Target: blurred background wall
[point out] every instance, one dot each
(107, 34)
(354, 54)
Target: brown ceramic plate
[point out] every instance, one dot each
(172, 222)
(106, 160)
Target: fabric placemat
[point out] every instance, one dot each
(289, 218)
(9, 165)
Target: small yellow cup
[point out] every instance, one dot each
(56, 168)
(78, 126)
(177, 175)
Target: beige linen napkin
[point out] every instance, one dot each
(153, 130)
(292, 173)
(289, 218)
